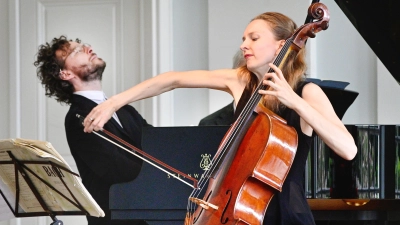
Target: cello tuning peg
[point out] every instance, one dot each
(311, 33)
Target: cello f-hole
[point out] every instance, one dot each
(224, 221)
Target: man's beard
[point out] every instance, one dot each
(93, 73)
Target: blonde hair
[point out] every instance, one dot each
(294, 67)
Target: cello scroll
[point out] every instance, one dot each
(320, 13)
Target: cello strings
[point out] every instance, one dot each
(249, 108)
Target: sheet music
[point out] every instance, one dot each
(31, 150)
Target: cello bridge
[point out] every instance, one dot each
(205, 205)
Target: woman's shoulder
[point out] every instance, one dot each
(311, 88)
(313, 93)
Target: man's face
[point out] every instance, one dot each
(80, 60)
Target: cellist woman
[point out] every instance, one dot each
(303, 105)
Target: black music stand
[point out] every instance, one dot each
(29, 177)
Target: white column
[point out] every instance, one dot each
(162, 59)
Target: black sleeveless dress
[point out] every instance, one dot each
(290, 206)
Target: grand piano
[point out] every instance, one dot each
(364, 191)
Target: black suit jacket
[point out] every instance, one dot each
(99, 162)
(223, 116)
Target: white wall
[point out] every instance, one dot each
(4, 74)
(190, 41)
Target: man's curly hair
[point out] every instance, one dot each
(49, 67)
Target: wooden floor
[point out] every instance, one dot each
(355, 211)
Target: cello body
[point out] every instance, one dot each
(261, 164)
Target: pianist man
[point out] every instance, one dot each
(71, 72)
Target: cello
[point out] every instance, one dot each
(256, 153)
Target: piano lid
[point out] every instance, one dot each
(379, 24)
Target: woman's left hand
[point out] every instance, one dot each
(279, 87)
